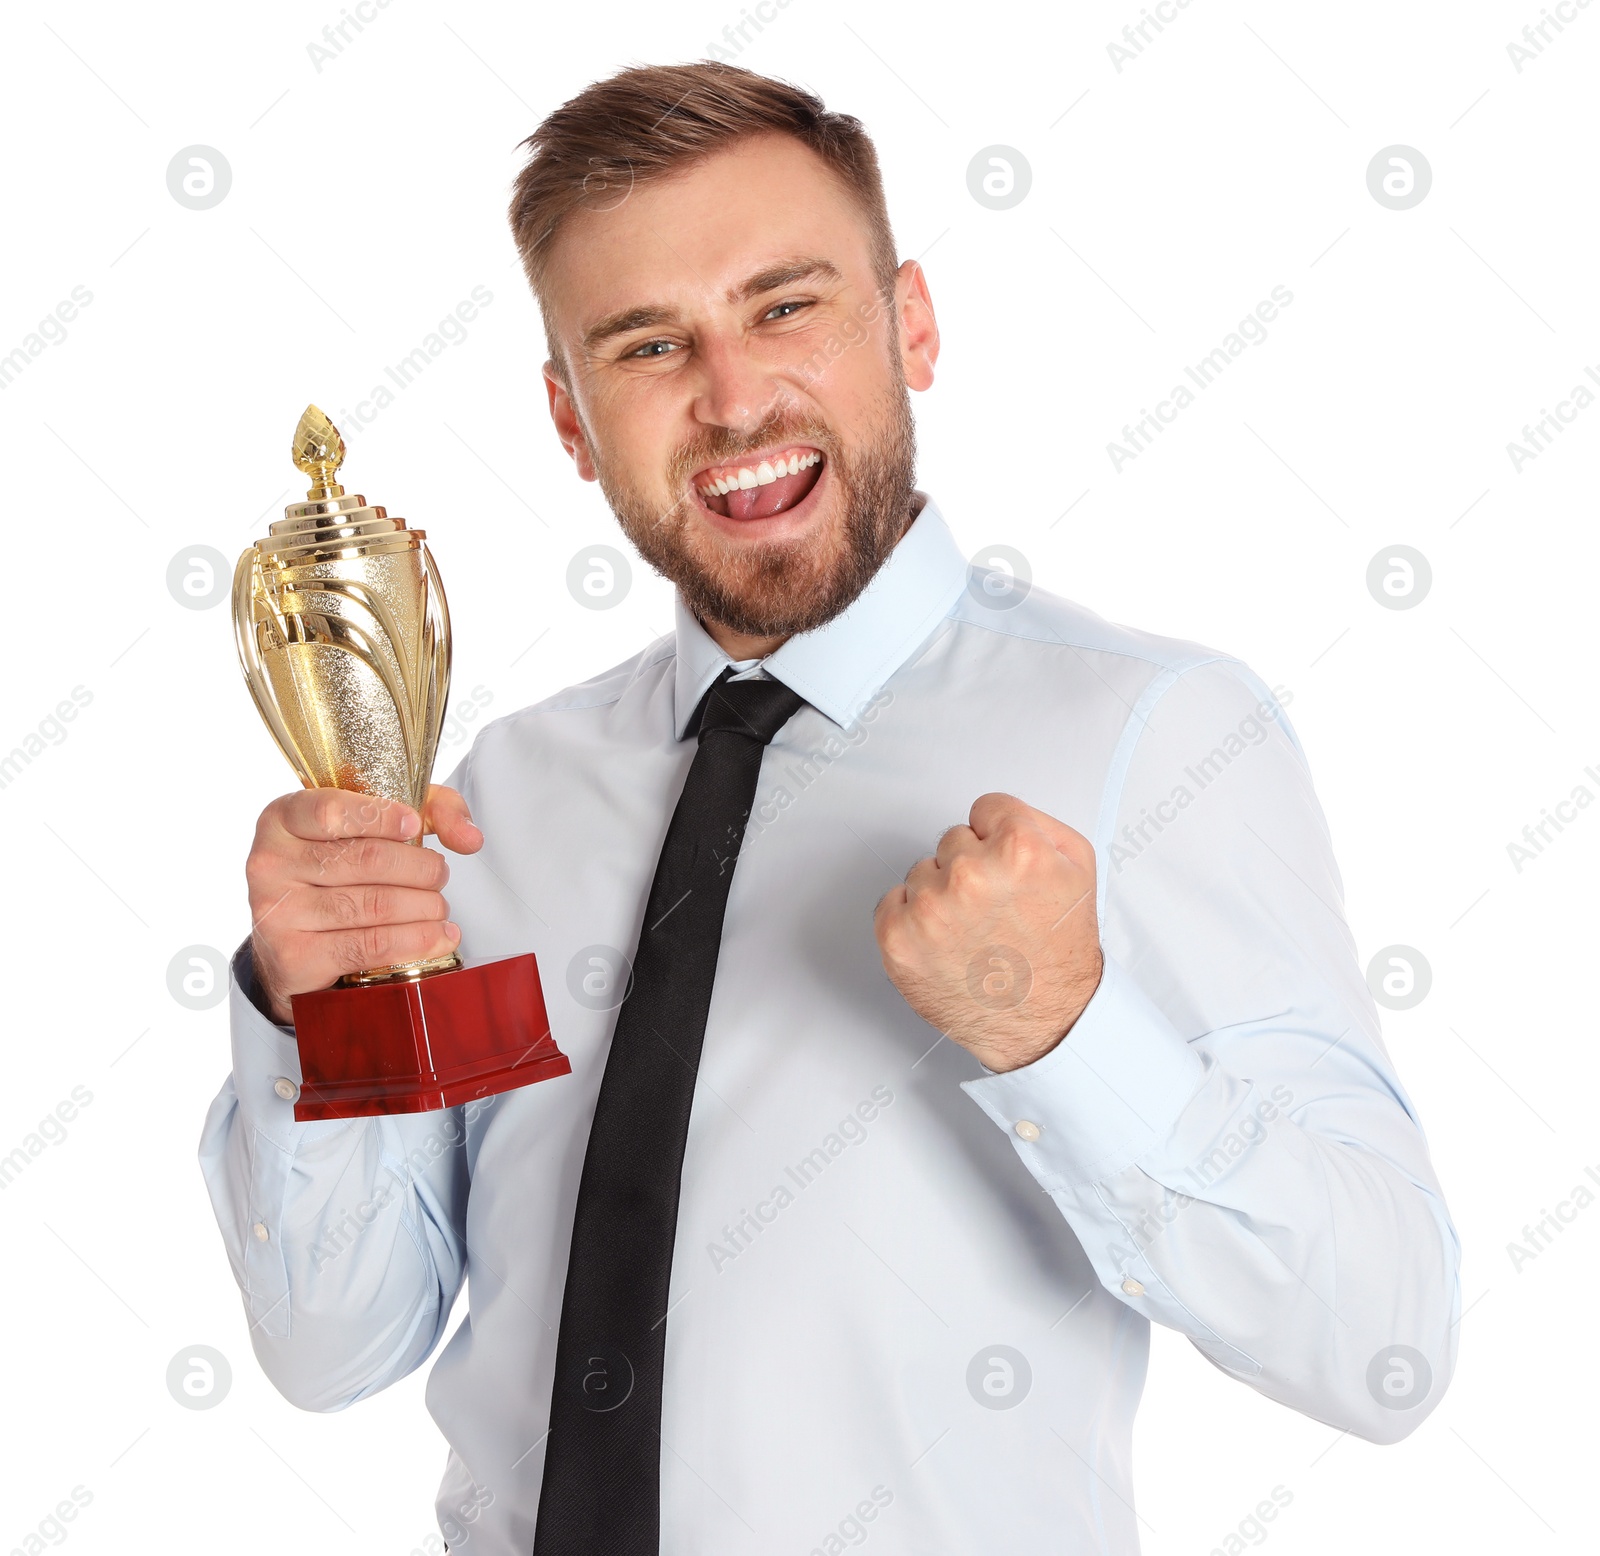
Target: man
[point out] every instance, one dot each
(801, 1252)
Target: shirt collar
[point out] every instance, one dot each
(840, 666)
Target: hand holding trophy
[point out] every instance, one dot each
(344, 639)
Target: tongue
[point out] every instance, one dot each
(761, 502)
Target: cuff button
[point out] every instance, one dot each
(286, 1088)
(1027, 1129)
(1133, 1287)
(260, 1230)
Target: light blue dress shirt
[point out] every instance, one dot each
(911, 1298)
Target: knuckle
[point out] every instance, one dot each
(377, 904)
(965, 874)
(327, 814)
(367, 855)
(351, 951)
(257, 867)
(274, 816)
(355, 857)
(891, 931)
(343, 907)
(1022, 846)
(376, 945)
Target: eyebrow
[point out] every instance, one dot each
(786, 272)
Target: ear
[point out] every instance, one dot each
(918, 329)
(568, 427)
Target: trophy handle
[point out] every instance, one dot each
(435, 648)
(255, 675)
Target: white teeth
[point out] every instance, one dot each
(764, 474)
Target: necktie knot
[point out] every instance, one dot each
(756, 709)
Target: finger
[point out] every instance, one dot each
(447, 817)
(363, 907)
(924, 875)
(326, 815)
(327, 956)
(956, 840)
(888, 920)
(992, 813)
(361, 861)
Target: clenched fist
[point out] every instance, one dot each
(993, 940)
(338, 883)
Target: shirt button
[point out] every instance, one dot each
(1133, 1287)
(286, 1088)
(1027, 1129)
(260, 1229)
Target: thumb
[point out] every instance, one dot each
(446, 816)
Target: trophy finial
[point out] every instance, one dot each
(318, 450)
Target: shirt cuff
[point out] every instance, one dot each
(1107, 1093)
(266, 1057)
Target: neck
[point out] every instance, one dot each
(742, 645)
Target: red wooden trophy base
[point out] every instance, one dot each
(413, 1047)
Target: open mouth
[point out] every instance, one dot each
(758, 486)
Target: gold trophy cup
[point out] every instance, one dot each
(344, 639)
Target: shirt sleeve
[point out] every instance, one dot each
(1222, 1127)
(347, 1237)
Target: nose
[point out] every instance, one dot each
(735, 390)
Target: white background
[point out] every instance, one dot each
(1168, 199)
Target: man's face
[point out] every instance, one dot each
(738, 387)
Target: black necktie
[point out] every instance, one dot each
(602, 1471)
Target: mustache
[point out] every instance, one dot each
(724, 447)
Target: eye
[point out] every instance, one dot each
(649, 350)
(776, 309)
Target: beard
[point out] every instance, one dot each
(776, 588)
